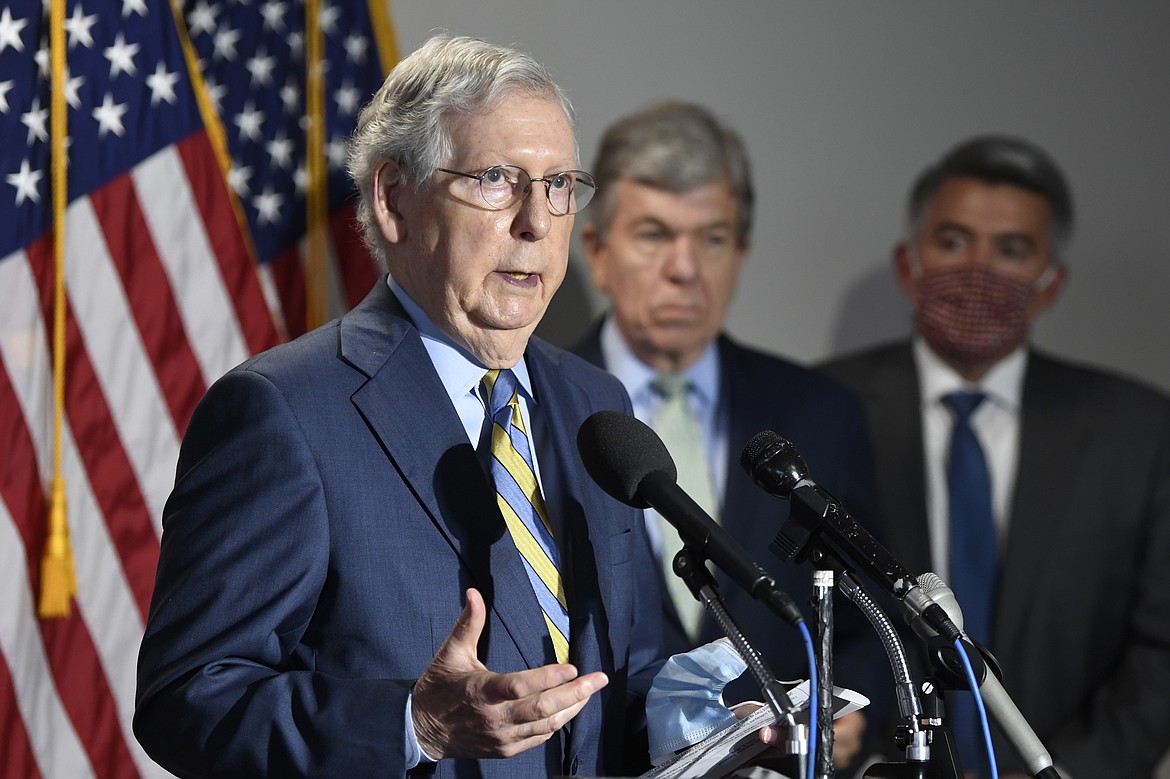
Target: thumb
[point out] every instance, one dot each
(460, 647)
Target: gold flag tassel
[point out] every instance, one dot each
(58, 579)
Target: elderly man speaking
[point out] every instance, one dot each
(382, 552)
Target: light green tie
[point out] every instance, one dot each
(679, 428)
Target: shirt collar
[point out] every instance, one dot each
(1003, 384)
(459, 371)
(637, 375)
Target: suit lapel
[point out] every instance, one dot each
(427, 445)
(561, 405)
(1050, 447)
(743, 504)
(583, 524)
(589, 349)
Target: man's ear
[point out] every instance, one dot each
(594, 250)
(386, 188)
(904, 269)
(1048, 294)
(741, 254)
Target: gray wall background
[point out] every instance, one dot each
(842, 103)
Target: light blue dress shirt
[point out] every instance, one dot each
(460, 374)
(704, 397)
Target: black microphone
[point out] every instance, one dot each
(775, 465)
(995, 698)
(628, 460)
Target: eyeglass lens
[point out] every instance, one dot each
(505, 185)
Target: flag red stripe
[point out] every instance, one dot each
(19, 761)
(100, 448)
(150, 297)
(86, 694)
(288, 274)
(20, 484)
(357, 269)
(235, 261)
(80, 679)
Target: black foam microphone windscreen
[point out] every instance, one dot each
(619, 451)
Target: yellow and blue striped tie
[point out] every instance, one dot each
(520, 501)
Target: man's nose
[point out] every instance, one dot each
(682, 262)
(533, 220)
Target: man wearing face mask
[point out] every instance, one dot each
(1039, 489)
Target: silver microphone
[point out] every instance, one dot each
(995, 698)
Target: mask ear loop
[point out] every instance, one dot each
(1042, 283)
(914, 266)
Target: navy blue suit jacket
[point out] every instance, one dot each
(827, 425)
(1082, 621)
(328, 515)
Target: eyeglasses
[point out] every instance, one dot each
(503, 186)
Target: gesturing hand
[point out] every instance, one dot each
(461, 709)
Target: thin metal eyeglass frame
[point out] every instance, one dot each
(528, 190)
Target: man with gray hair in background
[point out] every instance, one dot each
(1038, 488)
(382, 552)
(666, 239)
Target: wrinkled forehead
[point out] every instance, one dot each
(514, 117)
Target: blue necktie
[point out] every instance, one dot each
(973, 559)
(518, 496)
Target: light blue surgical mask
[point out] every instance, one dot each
(685, 702)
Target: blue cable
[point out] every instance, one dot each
(979, 705)
(813, 702)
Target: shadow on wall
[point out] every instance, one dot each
(873, 310)
(573, 308)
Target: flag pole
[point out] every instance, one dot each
(317, 190)
(385, 38)
(58, 578)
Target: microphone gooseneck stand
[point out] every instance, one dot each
(819, 529)
(688, 567)
(916, 740)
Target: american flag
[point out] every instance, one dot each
(174, 271)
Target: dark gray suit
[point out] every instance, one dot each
(1082, 622)
(827, 425)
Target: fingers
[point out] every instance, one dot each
(460, 646)
(549, 703)
(466, 723)
(847, 732)
(532, 699)
(541, 714)
(742, 710)
(443, 687)
(772, 734)
(461, 709)
(545, 726)
(523, 684)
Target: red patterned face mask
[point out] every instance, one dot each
(971, 314)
